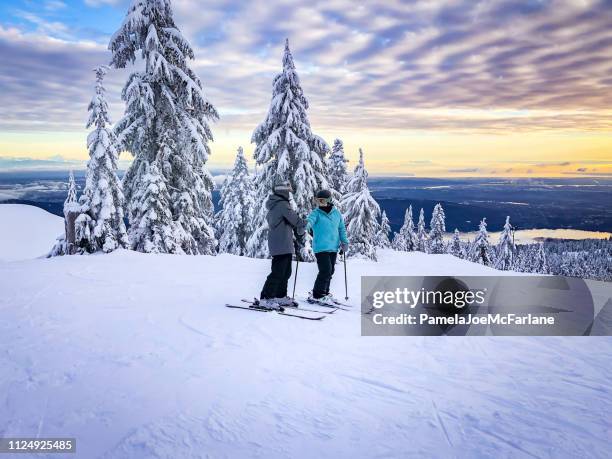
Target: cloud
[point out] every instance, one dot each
(392, 174)
(95, 3)
(54, 5)
(591, 174)
(464, 170)
(48, 82)
(495, 66)
(553, 164)
(58, 158)
(54, 162)
(33, 190)
(44, 26)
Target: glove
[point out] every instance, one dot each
(343, 247)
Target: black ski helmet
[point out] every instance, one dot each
(282, 185)
(324, 194)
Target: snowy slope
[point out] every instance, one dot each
(27, 231)
(136, 356)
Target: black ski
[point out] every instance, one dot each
(326, 305)
(250, 308)
(296, 307)
(281, 313)
(301, 317)
(339, 303)
(300, 308)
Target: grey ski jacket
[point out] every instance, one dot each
(282, 222)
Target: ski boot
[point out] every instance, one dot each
(287, 302)
(269, 303)
(326, 300)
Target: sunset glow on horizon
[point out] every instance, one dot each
(433, 89)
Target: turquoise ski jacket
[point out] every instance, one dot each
(328, 230)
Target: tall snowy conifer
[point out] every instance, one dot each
(102, 198)
(406, 238)
(422, 242)
(540, 264)
(361, 212)
(165, 127)
(286, 149)
(382, 236)
(481, 248)
(437, 229)
(336, 170)
(71, 203)
(238, 203)
(505, 248)
(455, 247)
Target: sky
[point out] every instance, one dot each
(426, 88)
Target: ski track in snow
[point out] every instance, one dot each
(136, 356)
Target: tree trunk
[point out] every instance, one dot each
(69, 220)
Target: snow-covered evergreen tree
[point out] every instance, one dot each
(238, 204)
(71, 202)
(59, 247)
(540, 264)
(286, 149)
(587, 258)
(361, 212)
(382, 236)
(532, 258)
(165, 128)
(83, 224)
(520, 258)
(437, 229)
(71, 205)
(422, 242)
(406, 239)
(84, 240)
(505, 248)
(455, 247)
(102, 198)
(336, 170)
(481, 248)
(156, 231)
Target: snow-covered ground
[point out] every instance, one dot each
(27, 231)
(136, 356)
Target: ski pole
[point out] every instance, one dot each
(346, 297)
(297, 264)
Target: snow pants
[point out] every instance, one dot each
(277, 280)
(326, 261)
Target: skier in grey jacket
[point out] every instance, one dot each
(283, 223)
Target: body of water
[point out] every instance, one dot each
(538, 208)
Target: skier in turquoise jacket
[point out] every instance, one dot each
(329, 235)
